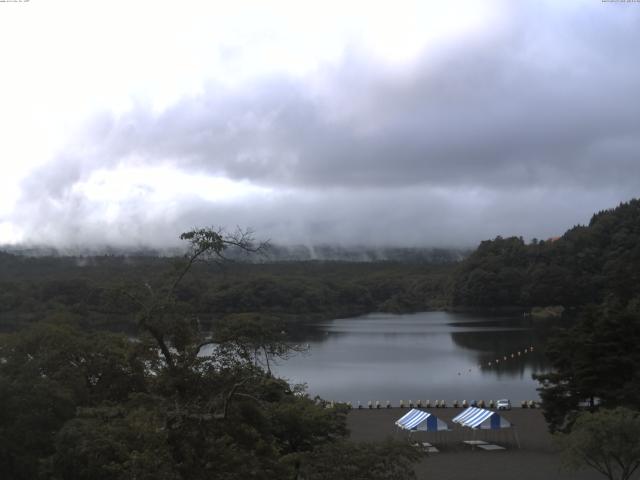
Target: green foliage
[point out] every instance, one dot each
(607, 441)
(46, 373)
(96, 291)
(92, 367)
(593, 274)
(360, 461)
(32, 410)
(76, 404)
(84, 404)
(587, 265)
(113, 442)
(597, 358)
(260, 339)
(493, 275)
(301, 424)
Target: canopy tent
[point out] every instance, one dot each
(421, 421)
(481, 418)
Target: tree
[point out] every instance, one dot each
(46, 373)
(257, 338)
(174, 334)
(360, 461)
(594, 362)
(113, 442)
(607, 441)
(82, 404)
(31, 413)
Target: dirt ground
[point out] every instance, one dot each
(535, 458)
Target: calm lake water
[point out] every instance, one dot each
(429, 355)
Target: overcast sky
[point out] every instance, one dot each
(406, 123)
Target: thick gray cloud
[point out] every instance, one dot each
(526, 131)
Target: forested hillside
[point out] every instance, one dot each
(594, 271)
(587, 265)
(91, 288)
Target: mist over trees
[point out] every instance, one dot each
(196, 385)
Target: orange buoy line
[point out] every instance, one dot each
(503, 358)
(514, 355)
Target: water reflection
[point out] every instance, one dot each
(430, 355)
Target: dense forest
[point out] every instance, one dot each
(592, 273)
(90, 288)
(594, 264)
(590, 264)
(79, 402)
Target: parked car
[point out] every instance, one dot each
(503, 404)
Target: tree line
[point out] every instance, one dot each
(87, 390)
(593, 264)
(591, 396)
(33, 288)
(174, 403)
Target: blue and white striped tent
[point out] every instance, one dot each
(422, 421)
(481, 418)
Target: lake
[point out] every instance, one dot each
(428, 355)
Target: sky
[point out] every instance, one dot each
(404, 123)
